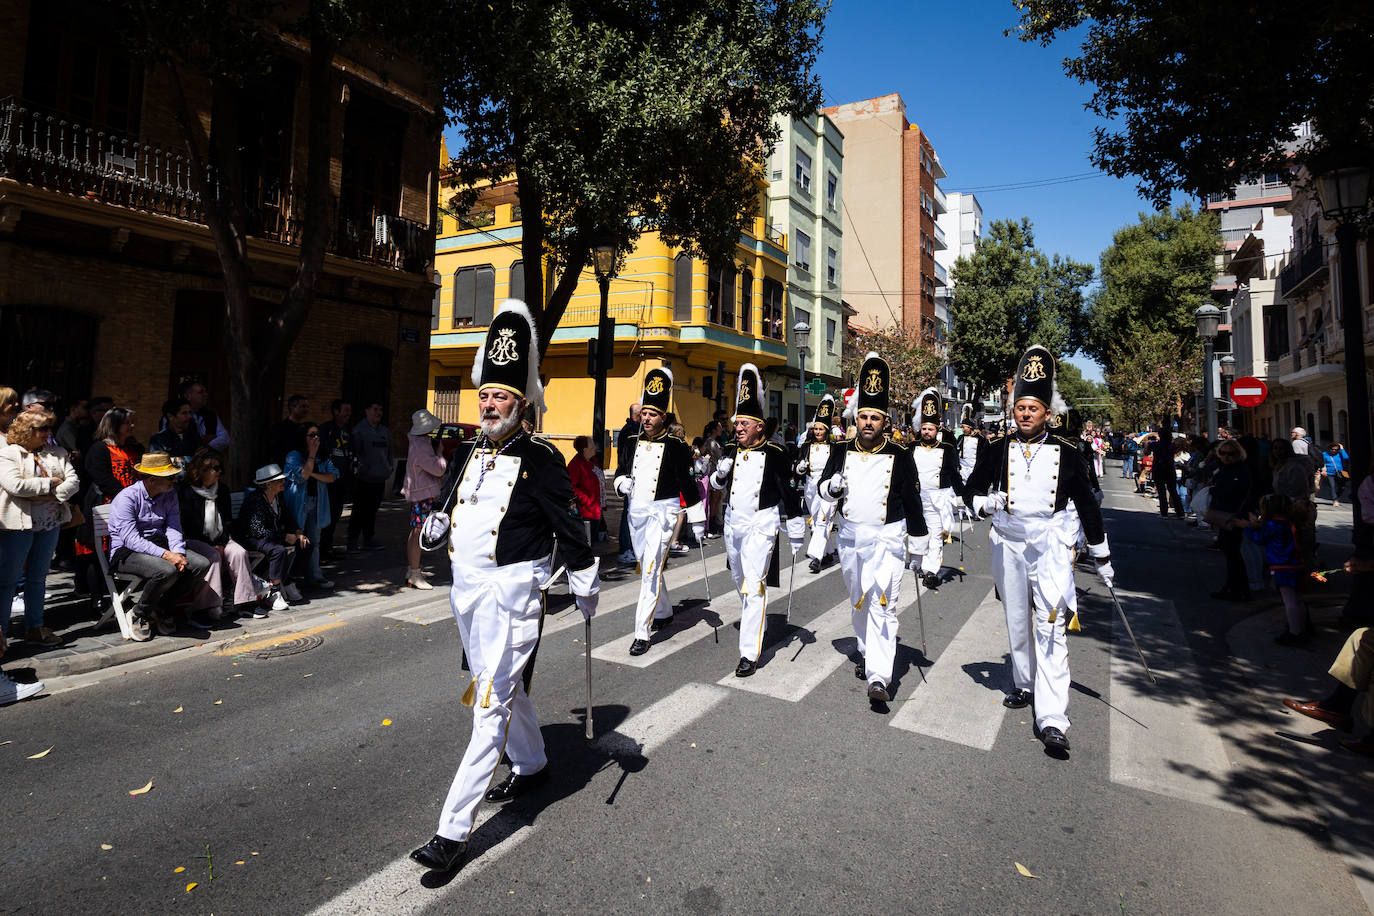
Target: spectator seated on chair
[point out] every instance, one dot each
(146, 541)
(264, 525)
(206, 516)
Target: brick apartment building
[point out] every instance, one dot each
(892, 202)
(109, 281)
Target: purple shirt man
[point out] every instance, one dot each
(136, 518)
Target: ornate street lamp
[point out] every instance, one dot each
(1227, 366)
(1344, 195)
(603, 261)
(1208, 323)
(801, 335)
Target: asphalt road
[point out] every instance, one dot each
(298, 784)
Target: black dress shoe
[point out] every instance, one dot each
(441, 853)
(1018, 699)
(639, 647)
(515, 784)
(861, 671)
(930, 581)
(814, 566)
(1054, 739)
(878, 693)
(659, 623)
(744, 668)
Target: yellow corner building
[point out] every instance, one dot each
(669, 310)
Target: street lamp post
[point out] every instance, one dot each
(1227, 366)
(801, 333)
(603, 260)
(1344, 197)
(1208, 323)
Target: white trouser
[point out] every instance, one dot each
(932, 552)
(749, 539)
(1033, 561)
(872, 558)
(651, 532)
(498, 611)
(821, 511)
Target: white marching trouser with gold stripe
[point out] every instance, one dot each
(749, 539)
(872, 558)
(820, 513)
(932, 551)
(497, 609)
(651, 532)
(1032, 564)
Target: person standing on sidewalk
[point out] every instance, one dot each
(656, 481)
(758, 476)
(336, 442)
(424, 474)
(1025, 482)
(882, 525)
(1335, 461)
(814, 456)
(372, 445)
(622, 460)
(511, 502)
(1165, 474)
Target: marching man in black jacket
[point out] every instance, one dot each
(880, 524)
(510, 496)
(815, 453)
(655, 472)
(937, 464)
(1025, 482)
(757, 474)
(970, 449)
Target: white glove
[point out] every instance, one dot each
(699, 530)
(993, 502)
(587, 605)
(802, 467)
(435, 528)
(623, 485)
(796, 533)
(913, 562)
(1107, 574)
(837, 485)
(723, 467)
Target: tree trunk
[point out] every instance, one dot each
(547, 306)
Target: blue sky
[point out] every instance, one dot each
(998, 111)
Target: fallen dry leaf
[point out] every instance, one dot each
(239, 862)
(106, 846)
(386, 721)
(191, 886)
(219, 702)
(238, 675)
(41, 754)
(307, 675)
(3, 743)
(252, 853)
(143, 791)
(178, 709)
(1025, 872)
(179, 869)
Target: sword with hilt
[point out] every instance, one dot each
(1131, 634)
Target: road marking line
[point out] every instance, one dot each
(234, 648)
(788, 674)
(396, 889)
(683, 580)
(1160, 739)
(955, 703)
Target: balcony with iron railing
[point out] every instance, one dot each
(941, 204)
(57, 153)
(1306, 267)
(941, 275)
(941, 241)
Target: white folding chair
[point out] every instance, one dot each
(100, 522)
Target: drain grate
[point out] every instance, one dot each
(290, 647)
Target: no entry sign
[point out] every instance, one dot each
(1248, 391)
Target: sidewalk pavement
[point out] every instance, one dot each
(364, 582)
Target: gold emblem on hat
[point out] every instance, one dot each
(655, 385)
(1035, 369)
(503, 350)
(929, 409)
(743, 391)
(874, 383)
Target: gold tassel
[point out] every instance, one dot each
(470, 695)
(637, 571)
(860, 605)
(1073, 623)
(1054, 614)
(882, 599)
(762, 590)
(486, 698)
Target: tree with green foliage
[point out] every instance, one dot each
(620, 118)
(1008, 295)
(1156, 273)
(915, 358)
(1203, 96)
(1079, 393)
(1152, 371)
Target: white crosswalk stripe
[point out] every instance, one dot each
(788, 673)
(956, 704)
